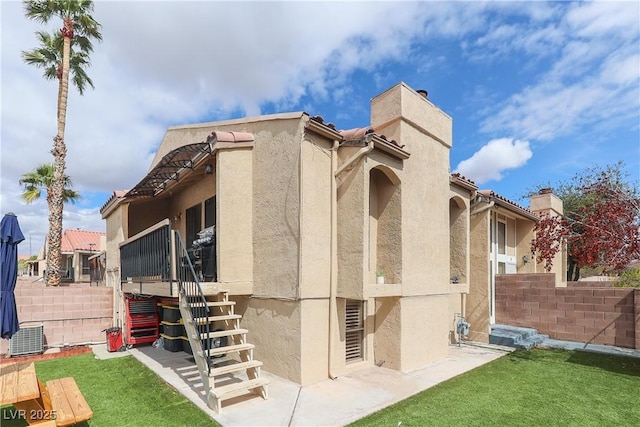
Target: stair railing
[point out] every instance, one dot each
(190, 290)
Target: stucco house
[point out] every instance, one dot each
(78, 247)
(286, 222)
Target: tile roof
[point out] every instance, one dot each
(355, 133)
(115, 195)
(463, 181)
(504, 202)
(81, 240)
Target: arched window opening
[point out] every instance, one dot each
(385, 226)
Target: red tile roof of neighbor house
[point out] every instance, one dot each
(81, 240)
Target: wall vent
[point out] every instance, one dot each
(28, 340)
(354, 331)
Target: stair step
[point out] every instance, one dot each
(210, 319)
(514, 336)
(225, 333)
(524, 332)
(237, 389)
(213, 303)
(229, 349)
(234, 367)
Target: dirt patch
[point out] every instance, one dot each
(64, 352)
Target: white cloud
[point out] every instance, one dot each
(167, 63)
(594, 80)
(493, 159)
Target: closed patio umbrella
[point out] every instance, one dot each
(10, 236)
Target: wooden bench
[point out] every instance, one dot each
(65, 400)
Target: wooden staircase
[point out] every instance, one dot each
(226, 364)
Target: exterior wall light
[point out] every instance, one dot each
(208, 168)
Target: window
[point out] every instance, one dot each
(354, 331)
(86, 265)
(502, 238)
(210, 212)
(194, 223)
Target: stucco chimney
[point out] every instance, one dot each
(546, 202)
(401, 111)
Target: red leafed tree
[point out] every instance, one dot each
(601, 225)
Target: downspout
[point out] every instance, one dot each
(482, 209)
(333, 280)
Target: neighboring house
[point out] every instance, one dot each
(77, 247)
(294, 220)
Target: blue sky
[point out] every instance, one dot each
(537, 91)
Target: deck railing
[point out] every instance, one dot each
(150, 256)
(146, 257)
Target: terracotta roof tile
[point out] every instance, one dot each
(81, 240)
(231, 136)
(356, 133)
(115, 195)
(503, 201)
(463, 181)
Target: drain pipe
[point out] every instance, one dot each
(364, 150)
(333, 281)
(482, 209)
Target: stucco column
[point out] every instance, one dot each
(547, 203)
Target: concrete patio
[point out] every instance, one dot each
(326, 403)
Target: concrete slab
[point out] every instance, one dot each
(100, 351)
(326, 403)
(594, 348)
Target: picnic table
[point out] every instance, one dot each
(18, 383)
(60, 403)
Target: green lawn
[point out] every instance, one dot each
(524, 388)
(528, 388)
(121, 392)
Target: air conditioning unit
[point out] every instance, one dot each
(28, 340)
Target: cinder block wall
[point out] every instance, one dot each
(71, 314)
(603, 315)
(591, 284)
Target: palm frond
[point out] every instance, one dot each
(42, 179)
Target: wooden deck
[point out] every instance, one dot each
(170, 289)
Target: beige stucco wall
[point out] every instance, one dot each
(425, 131)
(145, 213)
(175, 208)
(117, 232)
(276, 208)
(524, 235)
(425, 180)
(315, 211)
(387, 339)
(425, 330)
(459, 238)
(352, 259)
(478, 300)
(234, 223)
(275, 330)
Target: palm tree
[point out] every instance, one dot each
(42, 178)
(78, 30)
(49, 57)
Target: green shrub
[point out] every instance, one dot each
(629, 278)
